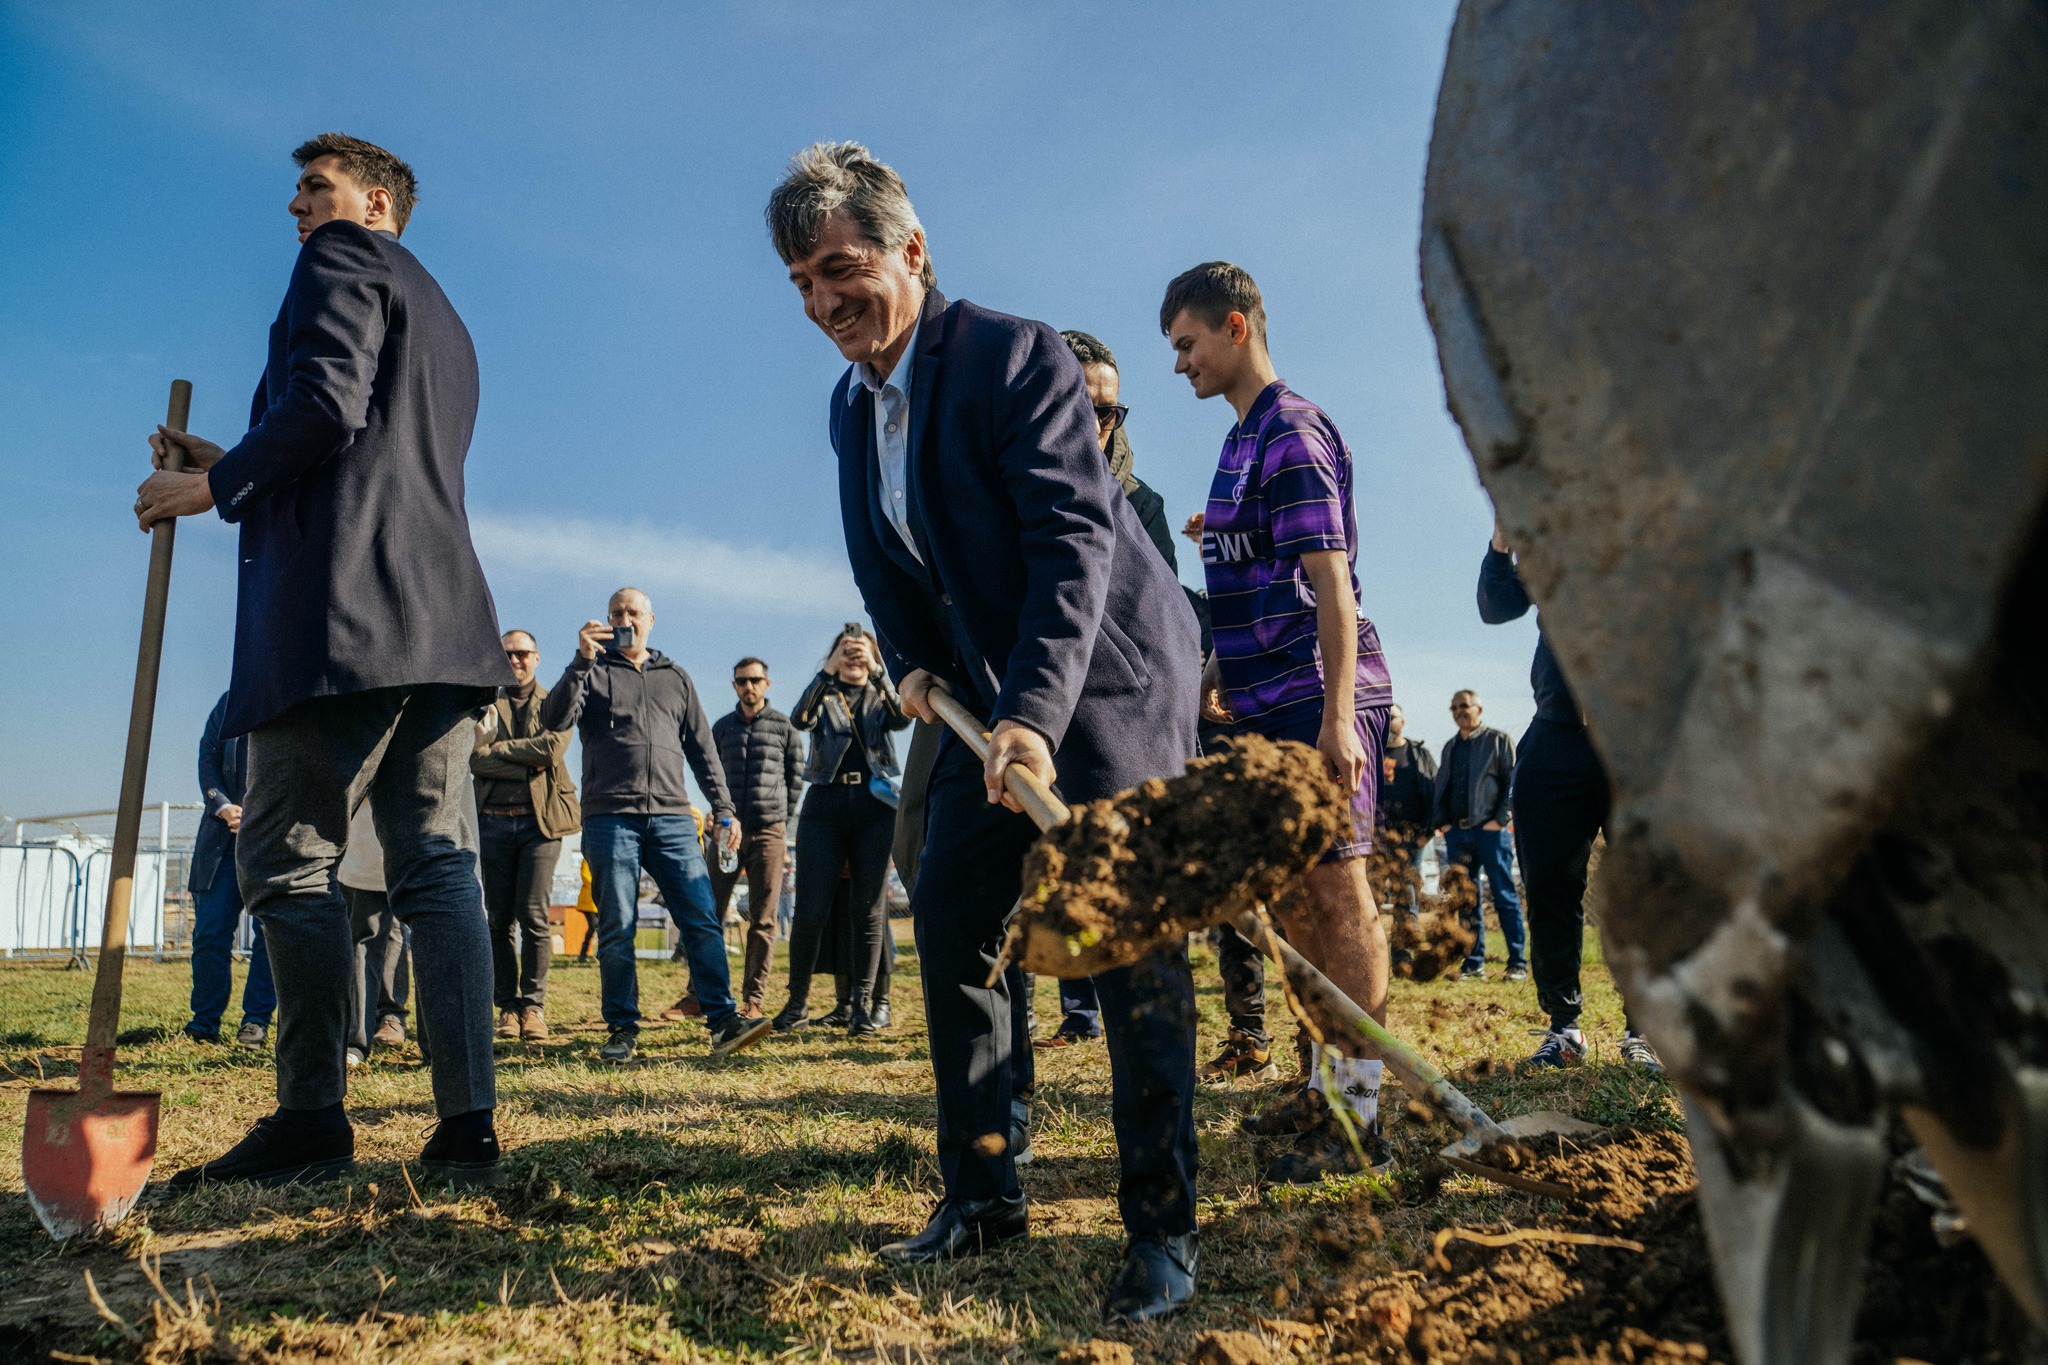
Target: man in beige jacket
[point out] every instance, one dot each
(526, 803)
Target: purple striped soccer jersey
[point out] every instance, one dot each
(1283, 489)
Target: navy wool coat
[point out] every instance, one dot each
(1040, 598)
(223, 777)
(357, 570)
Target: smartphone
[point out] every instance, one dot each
(621, 641)
(856, 630)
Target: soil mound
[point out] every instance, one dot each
(1518, 1291)
(1125, 877)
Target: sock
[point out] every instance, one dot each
(1358, 1082)
(1315, 1066)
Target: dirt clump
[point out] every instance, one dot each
(1434, 941)
(1097, 1352)
(1231, 1348)
(1127, 876)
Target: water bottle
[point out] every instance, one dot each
(728, 858)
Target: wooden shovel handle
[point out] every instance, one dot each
(1045, 809)
(105, 1021)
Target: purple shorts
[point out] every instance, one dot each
(1371, 726)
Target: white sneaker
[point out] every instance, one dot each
(1636, 1051)
(354, 1058)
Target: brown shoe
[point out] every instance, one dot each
(751, 1010)
(533, 1024)
(685, 1008)
(1242, 1058)
(508, 1023)
(390, 1032)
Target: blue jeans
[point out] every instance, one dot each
(1485, 852)
(617, 847)
(215, 913)
(1080, 1010)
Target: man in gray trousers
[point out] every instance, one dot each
(366, 645)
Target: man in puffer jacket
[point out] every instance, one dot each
(763, 757)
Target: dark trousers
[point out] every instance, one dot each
(1484, 852)
(383, 967)
(844, 827)
(618, 846)
(216, 912)
(1080, 1007)
(1243, 968)
(519, 871)
(762, 850)
(1561, 803)
(967, 884)
(405, 750)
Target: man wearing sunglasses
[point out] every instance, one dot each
(526, 803)
(763, 755)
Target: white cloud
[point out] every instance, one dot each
(606, 555)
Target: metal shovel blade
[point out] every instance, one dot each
(87, 1153)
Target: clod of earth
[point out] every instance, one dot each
(1127, 877)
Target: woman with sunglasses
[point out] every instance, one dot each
(850, 710)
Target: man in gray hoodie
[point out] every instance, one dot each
(644, 728)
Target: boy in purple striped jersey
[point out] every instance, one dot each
(1279, 541)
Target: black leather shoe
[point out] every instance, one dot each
(859, 1024)
(879, 1015)
(278, 1151)
(961, 1229)
(840, 1017)
(790, 1017)
(465, 1155)
(1158, 1278)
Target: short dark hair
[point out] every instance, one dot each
(1088, 350)
(1212, 291)
(750, 659)
(370, 166)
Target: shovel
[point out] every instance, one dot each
(1486, 1148)
(86, 1153)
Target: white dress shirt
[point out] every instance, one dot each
(892, 437)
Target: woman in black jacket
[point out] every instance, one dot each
(850, 710)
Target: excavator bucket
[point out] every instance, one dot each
(1742, 308)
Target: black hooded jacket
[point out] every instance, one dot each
(639, 728)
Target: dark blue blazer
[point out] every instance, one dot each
(357, 570)
(223, 773)
(1040, 597)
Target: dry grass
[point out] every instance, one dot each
(682, 1209)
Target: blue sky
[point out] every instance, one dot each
(653, 400)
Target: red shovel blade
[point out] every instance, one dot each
(86, 1153)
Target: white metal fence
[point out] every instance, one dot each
(54, 876)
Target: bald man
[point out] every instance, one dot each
(643, 727)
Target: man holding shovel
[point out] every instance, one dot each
(366, 643)
(1000, 562)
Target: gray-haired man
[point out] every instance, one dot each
(1000, 562)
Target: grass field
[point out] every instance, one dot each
(680, 1208)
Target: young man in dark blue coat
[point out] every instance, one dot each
(366, 644)
(1000, 562)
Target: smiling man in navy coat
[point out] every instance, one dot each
(366, 644)
(999, 561)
